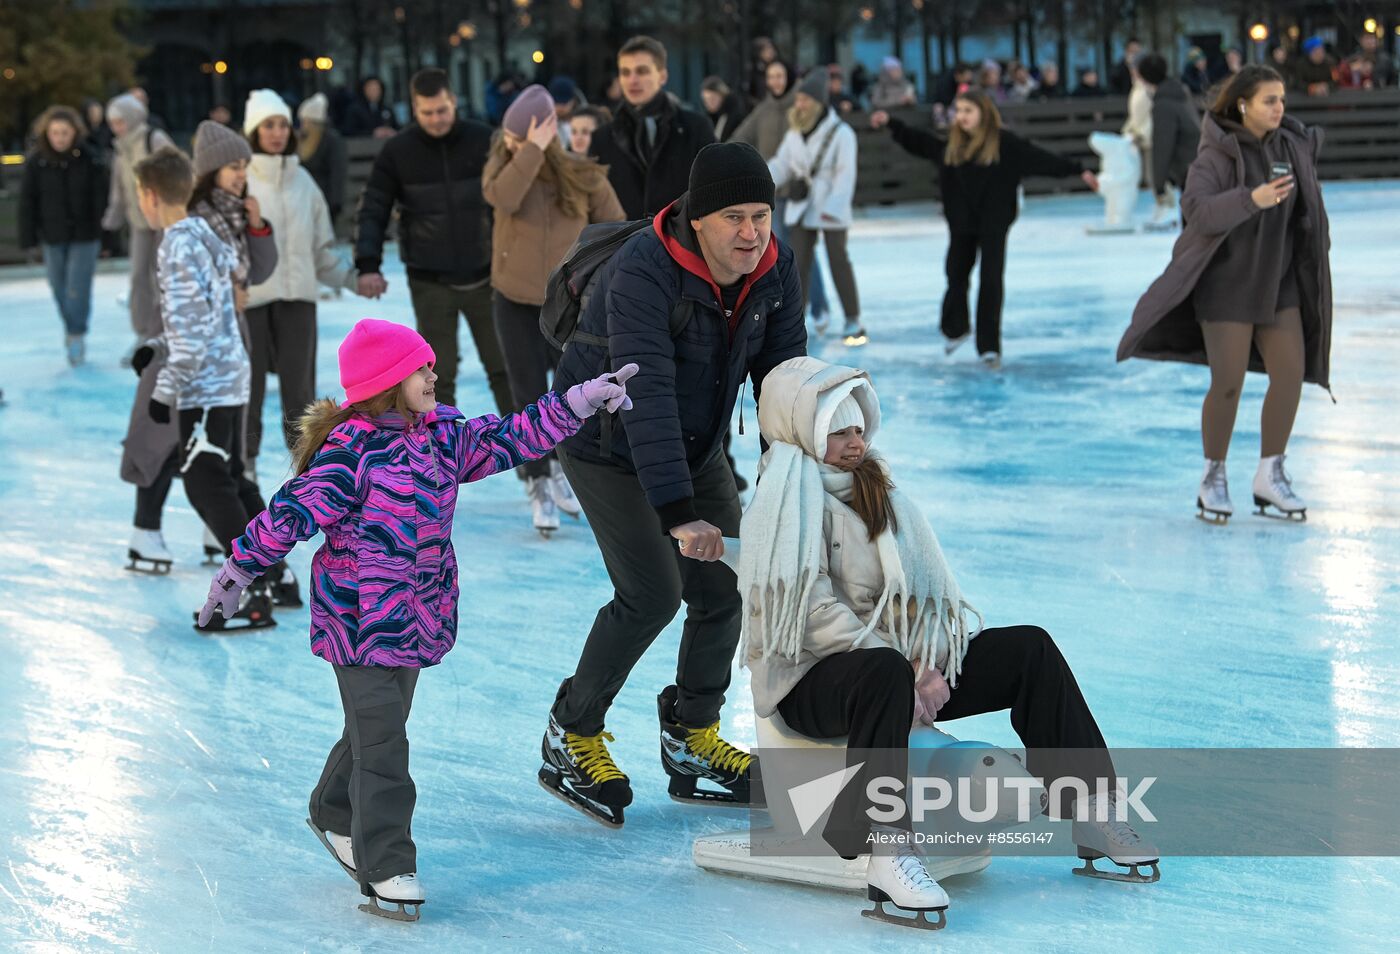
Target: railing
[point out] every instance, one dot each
(1361, 141)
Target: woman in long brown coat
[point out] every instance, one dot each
(543, 198)
(1249, 286)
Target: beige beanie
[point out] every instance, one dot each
(263, 103)
(847, 414)
(313, 109)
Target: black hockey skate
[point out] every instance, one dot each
(690, 755)
(286, 591)
(579, 770)
(254, 612)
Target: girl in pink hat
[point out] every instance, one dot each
(378, 475)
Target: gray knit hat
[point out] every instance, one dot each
(816, 84)
(128, 109)
(215, 146)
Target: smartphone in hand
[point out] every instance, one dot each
(1278, 170)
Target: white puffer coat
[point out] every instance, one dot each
(290, 199)
(828, 206)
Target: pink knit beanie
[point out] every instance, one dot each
(376, 355)
(533, 102)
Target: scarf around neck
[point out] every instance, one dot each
(228, 218)
(920, 607)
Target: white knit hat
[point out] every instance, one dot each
(847, 414)
(313, 109)
(263, 103)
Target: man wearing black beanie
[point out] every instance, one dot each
(701, 300)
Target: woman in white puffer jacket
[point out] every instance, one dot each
(816, 168)
(282, 310)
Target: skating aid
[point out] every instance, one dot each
(1133, 874)
(919, 921)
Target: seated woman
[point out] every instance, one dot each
(854, 626)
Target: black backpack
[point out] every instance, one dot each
(574, 282)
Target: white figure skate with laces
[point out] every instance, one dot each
(1274, 488)
(403, 891)
(1104, 835)
(1213, 499)
(897, 875)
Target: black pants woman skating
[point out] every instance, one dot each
(963, 249)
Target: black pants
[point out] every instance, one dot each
(650, 580)
(528, 359)
(868, 696)
(150, 500)
(216, 486)
(283, 336)
(365, 790)
(435, 308)
(962, 255)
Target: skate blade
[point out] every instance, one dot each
(1286, 516)
(234, 625)
(157, 568)
(706, 796)
(602, 814)
(321, 836)
(919, 921)
(1132, 876)
(400, 912)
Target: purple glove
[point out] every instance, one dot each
(608, 391)
(229, 583)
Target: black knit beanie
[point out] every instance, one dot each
(725, 174)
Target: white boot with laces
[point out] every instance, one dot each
(897, 875)
(404, 891)
(1274, 488)
(1213, 499)
(542, 507)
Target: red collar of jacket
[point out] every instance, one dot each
(693, 262)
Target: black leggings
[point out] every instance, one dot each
(962, 255)
(867, 695)
(223, 497)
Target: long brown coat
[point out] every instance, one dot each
(532, 234)
(1216, 200)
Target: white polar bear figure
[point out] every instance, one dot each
(1119, 175)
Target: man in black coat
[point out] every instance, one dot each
(654, 483)
(1176, 127)
(649, 146)
(432, 171)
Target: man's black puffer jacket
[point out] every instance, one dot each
(684, 395)
(444, 223)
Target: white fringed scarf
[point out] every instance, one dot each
(920, 607)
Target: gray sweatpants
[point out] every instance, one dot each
(144, 299)
(804, 253)
(365, 789)
(650, 580)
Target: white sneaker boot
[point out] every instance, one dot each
(404, 891)
(147, 552)
(897, 875)
(1274, 488)
(542, 508)
(562, 493)
(1102, 835)
(1213, 498)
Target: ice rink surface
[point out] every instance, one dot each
(153, 781)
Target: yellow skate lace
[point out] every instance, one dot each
(592, 756)
(706, 744)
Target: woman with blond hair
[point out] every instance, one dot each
(980, 168)
(543, 197)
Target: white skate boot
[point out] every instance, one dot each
(340, 848)
(1164, 214)
(853, 335)
(403, 890)
(991, 360)
(1274, 488)
(897, 874)
(953, 344)
(147, 553)
(1114, 840)
(1213, 499)
(542, 508)
(562, 493)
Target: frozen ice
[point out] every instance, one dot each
(153, 781)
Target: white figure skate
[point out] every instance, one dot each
(1213, 499)
(340, 848)
(991, 359)
(1274, 488)
(147, 553)
(1115, 840)
(403, 891)
(562, 493)
(953, 344)
(897, 875)
(542, 508)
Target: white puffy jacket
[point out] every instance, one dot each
(828, 206)
(301, 224)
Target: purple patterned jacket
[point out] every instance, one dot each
(384, 584)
